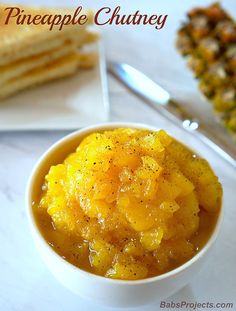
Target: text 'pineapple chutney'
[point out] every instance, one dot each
(129, 204)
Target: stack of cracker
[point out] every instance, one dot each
(32, 55)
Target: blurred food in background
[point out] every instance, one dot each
(33, 54)
(208, 39)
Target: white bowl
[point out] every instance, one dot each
(115, 293)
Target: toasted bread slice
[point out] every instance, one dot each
(22, 66)
(62, 67)
(21, 41)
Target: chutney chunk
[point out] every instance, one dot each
(151, 239)
(130, 271)
(129, 202)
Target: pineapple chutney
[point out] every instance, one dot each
(129, 204)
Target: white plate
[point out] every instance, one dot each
(65, 104)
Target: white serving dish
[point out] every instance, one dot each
(65, 104)
(101, 290)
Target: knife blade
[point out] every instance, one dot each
(160, 100)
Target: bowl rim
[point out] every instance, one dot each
(35, 229)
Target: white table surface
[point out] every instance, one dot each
(26, 284)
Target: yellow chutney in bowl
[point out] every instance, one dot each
(128, 204)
